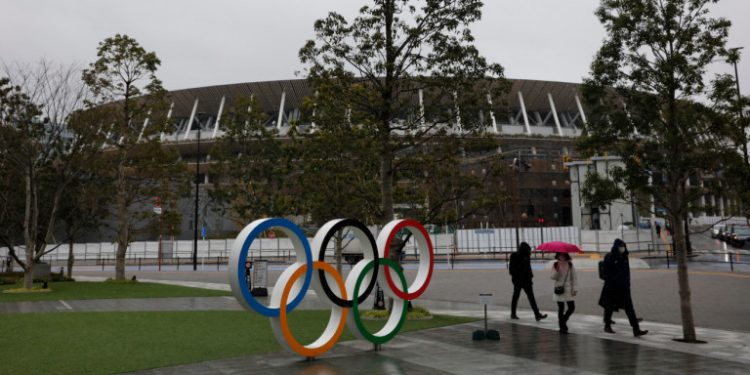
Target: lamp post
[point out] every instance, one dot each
(197, 181)
(734, 57)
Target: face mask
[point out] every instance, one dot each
(622, 249)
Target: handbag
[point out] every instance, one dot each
(561, 289)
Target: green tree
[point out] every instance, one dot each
(42, 155)
(725, 93)
(126, 93)
(405, 71)
(249, 167)
(641, 92)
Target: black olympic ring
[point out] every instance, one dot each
(375, 259)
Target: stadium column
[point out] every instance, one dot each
(421, 109)
(525, 114)
(492, 114)
(190, 121)
(281, 110)
(169, 117)
(580, 110)
(218, 116)
(554, 114)
(145, 124)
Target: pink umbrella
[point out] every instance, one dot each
(559, 247)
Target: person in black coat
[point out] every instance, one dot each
(520, 273)
(616, 291)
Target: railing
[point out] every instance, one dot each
(483, 242)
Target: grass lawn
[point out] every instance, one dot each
(112, 342)
(106, 290)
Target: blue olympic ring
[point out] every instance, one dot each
(273, 312)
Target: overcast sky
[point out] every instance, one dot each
(204, 43)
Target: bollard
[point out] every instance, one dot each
(731, 262)
(178, 263)
(139, 263)
(667, 253)
(217, 263)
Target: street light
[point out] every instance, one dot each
(195, 221)
(518, 165)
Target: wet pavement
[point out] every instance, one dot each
(450, 350)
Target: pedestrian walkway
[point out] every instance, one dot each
(522, 349)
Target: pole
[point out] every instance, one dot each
(541, 232)
(195, 221)
(516, 205)
(485, 318)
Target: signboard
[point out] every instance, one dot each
(485, 298)
(157, 210)
(260, 274)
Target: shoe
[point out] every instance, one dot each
(564, 331)
(514, 317)
(608, 329)
(611, 322)
(541, 316)
(640, 333)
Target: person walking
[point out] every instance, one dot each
(521, 275)
(565, 291)
(616, 291)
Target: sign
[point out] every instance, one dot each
(260, 274)
(157, 210)
(311, 270)
(485, 298)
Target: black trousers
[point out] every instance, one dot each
(529, 289)
(629, 311)
(562, 315)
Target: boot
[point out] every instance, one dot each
(638, 333)
(608, 328)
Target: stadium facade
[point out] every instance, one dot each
(540, 123)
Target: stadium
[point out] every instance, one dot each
(540, 126)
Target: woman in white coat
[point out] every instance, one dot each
(565, 291)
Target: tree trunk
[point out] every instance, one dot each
(122, 236)
(386, 184)
(28, 276)
(686, 308)
(70, 258)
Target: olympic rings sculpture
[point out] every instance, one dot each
(296, 280)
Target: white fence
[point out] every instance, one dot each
(463, 241)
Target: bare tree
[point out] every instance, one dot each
(36, 103)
